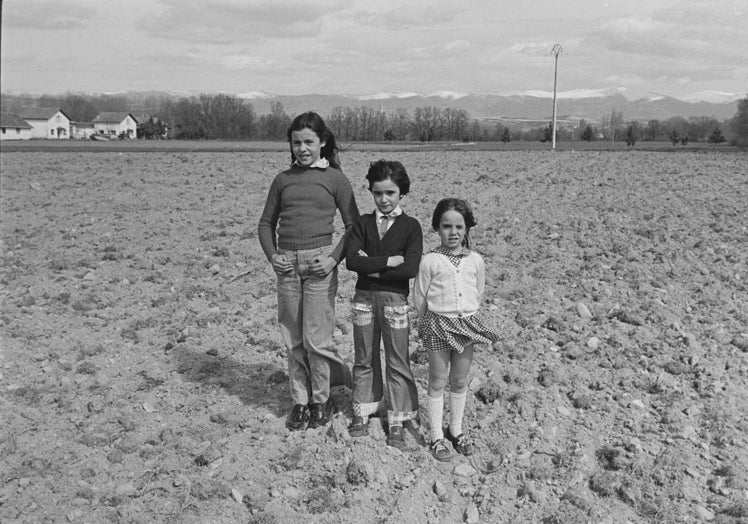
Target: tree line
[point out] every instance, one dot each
(224, 116)
(613, 127)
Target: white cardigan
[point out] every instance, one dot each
(447, 290)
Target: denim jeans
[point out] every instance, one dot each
(381, 318)
(306, 315)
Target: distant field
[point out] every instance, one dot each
(231, 146)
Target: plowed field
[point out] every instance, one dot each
(142, 377)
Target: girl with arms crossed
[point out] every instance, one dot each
(384, 248)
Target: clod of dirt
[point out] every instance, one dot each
(488, 392)
(577, 498)
(278, 377)
(471, 514)
(612, 458)
(607, 483)
(206, 488)
(581, 400)
(530, 490)
(741, 343)
(626, 317)
(739, 510)
(549, 376)
(359, 473)
(552, 324)
(464, 470)
(208, 456)
(675, 367)
(218, 418)
(420, 357)
(583, 311)
(440, 490)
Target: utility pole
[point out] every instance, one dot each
(555, 51)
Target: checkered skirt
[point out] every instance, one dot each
(440, 333)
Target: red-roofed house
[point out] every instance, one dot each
(47, 122)
(115, 125)
(13, 127)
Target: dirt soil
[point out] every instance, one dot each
(142, 377)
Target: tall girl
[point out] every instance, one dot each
(447, 294)
(295, 232)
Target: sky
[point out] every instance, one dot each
(677, 48)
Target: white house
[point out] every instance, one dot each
(116, 124)
(82, 130)
(13, 127)
(47, 122)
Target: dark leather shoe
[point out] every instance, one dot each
(396, 438)
(298, 418)
(358, 427)
(319, 413)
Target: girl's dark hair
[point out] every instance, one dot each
(462, 207)
(311, 120)
(392, 169)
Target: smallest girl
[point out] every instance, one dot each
(447, 294)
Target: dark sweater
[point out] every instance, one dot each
(404, 237)
(300, 208)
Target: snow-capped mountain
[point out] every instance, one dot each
(712, 97)
(255, 95)
(589, 104)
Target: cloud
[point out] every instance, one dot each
(243, 61)
(531, 48)
(238, 22)
(634, 35)
(401, 17)
(57, 16)
(442, 50)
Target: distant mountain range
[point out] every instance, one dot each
(571, 105)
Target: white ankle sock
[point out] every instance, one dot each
(436, 411)
(456, 412)
(367, 409)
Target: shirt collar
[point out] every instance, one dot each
(320, 163)
(448, 252)
(392, 214)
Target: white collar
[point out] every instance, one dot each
(392, 214)
(320, 163)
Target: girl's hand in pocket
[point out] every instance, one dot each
(321, 266)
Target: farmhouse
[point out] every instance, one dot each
(115, 125)
(47, 122)
(82, 130)
(13, 127)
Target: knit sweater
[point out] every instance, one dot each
(447, 290)
(404, 237)
(300, 208)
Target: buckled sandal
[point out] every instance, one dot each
(440, 450)
(461, 443)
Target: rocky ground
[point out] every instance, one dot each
(142, 377)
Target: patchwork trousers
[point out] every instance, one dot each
(380, 318)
